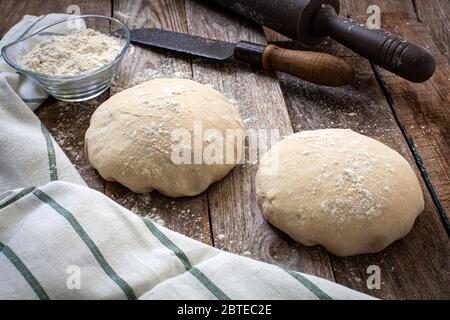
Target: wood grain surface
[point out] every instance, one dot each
(227, 216)
(435, 16)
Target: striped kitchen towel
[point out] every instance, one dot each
(61, 240)
(65, 241)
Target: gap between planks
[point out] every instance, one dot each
(412, 147)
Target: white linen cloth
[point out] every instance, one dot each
(61, 240)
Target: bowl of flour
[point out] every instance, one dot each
(75, 59)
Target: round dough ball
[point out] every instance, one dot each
(133, 135)
(339, 189)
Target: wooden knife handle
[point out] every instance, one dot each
(316, 67)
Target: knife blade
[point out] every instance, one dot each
(315, 67)
(183, 43)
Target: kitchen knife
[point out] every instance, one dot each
(314, 67)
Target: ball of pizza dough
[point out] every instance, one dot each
(339, 189)
(164, 134)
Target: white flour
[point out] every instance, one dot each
(72, 54)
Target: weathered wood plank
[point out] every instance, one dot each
(435, 15)
(363, 108)
(186, 215)
(13, 11)
(237, 223)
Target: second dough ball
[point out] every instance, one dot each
(154, 135)
(339, 189)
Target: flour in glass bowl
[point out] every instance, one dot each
(72, 54)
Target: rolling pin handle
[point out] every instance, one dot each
(399, 56)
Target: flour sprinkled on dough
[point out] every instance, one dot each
(339, 189)
(132, 136)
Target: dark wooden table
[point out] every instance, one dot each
(411, 118)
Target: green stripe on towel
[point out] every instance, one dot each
(89, 243)
(51, 154)
(308, 284)
(24, 271)
(219, 294)
(17, 197)
(208, 284)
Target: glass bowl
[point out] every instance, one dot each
(81, 87)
